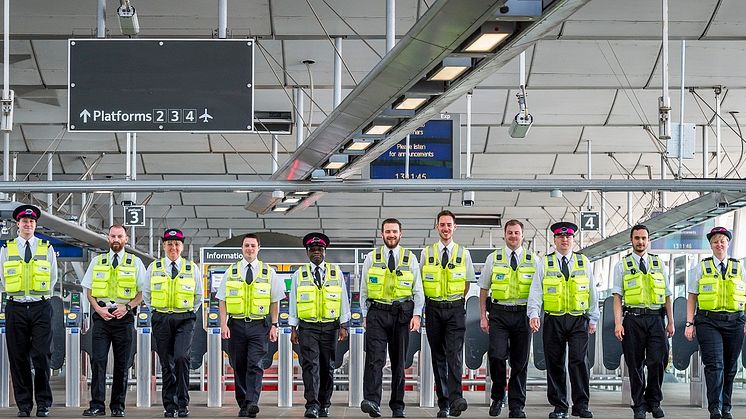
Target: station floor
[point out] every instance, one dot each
(604, 404)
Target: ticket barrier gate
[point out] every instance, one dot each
(285, 356)
(73, 322)
(357, 356)
(144, 370)
(427, 379)
(214, 356)
(4, 362)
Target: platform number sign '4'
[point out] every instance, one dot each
(589, 221)
(134, 216)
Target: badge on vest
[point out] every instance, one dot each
(632, 283)
(157, 287)
(100, 274)
(305, 297)
(551, 290)
(233, 293)
(261, 309)
(707, 287)
(332, 295)
(373, 280)
(500, 277)
(582, 287)
(451, 266)
(261, 291)
(12, 271)
(430, 277)
(633, 271)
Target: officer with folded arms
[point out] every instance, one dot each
(249, 308)
(113, 284)
(28, 266)
(173, 290)
(641, 280)
(718, 293)
(319, 312)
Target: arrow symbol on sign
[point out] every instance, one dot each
(205, 117)
(85, 115)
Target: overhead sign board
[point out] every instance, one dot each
(134, 216)
(589, 221)
(434, 153)
(167, 85)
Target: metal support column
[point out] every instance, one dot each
(337, 71)
(697, 389)
(390, 24)
(299, 135)
(72, 367)
(357, 365)
(144, 370)
(285, 368)
(427, 380)
(214, 367)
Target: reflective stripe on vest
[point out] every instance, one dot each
(33, 279)
(172, 295)
(508, 285)
(444, 284)
(114, 284)
(322, 305)
(248, 300)
(643, 290)
(385, 286)
(721, 294)
(571, 296)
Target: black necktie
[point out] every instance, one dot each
(317, 277)
(392, 263)
(643, 268)
(115, 261)
(174, 270)
(444, 258)
(722, 269)
(565, 269)
(27, 255)
(513, 261)
(249, 275)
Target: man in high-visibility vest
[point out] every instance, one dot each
(319, 312)
(249, 308)
(568, 294)
(391, 299)
(641, 281)
(447, 271)
(113, 285)
(173, 290)
(28, 269)
(504, 284)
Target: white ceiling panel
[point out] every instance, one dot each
(170, 211)
(348, 213)
(51, 56)
(257, 143)
(111, 164)
(729, 21)
(350, 199)
(252, 162)
(418, 199)
(358, 58)
(184, 163)
(309, 224)
(502, 164)
(546, 139)
(706, 62)
(566, 107)
(167, 141)
(214, 198)
(242, 224)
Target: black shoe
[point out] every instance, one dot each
(312, 412)
(639, 413)
(459, 405)
(371, 408)
(243, 412)
(727, 415)
(23, 413)
(94, 411)
(657, 412)
(582, 412)
(442, 413)
(715, 414)
(495, 408)
(117, 413)
(398, 413)
(169, 414)
(324, 412)
(183, 412)
(516, 413)
(42, 412)
(252, 409)
(559, 414)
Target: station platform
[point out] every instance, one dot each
(604, 404)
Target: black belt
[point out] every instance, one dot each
(644, 311)
(721, 315)
(396, 305)
(43, 300)
(248, 320)
(446, 304)
(503, 307)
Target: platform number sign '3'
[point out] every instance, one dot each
(589, 221)
(134, 216)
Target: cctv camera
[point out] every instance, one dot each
(128, 22)
(521, 124)
(468, 199)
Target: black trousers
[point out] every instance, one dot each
(249, 343)
(566, 334)
(645, 345)
(29, 335)
(386, 326)
(117, 334)
(318, 349)
(510, 340)
(720, 343)
(446, 324)
(173, 339)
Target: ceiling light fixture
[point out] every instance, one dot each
(450, 69)
(489, 36)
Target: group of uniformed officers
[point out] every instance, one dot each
(396, 291)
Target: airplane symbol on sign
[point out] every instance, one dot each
(85, 115)
(205, 117)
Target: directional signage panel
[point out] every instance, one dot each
(134, 216)
(167, 85)
(589, 221)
